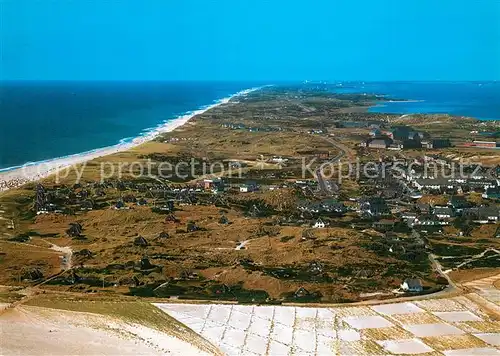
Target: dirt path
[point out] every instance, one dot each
(439, 269)
(66, 263)
(242, 245)
(478, 256)
(31, 291)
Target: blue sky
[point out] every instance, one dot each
(250, 39)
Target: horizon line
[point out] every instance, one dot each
(303, 81)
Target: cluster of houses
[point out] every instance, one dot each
(422, 214)
(490, 186)
(402, 137)
(317, 131)
(454, 181)
(373, 207)
(457, 206)
(396, 195)
(240, 126)
(325, 206)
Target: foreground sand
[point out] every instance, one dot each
(40, 331)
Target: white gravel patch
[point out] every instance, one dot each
(234, 337)
(349, 335)
(326, 314)
(197, 328)
(214, 334)
(256, 344)
(305, 323)
(397, 308)
(410, 346)
(283, 330)
(327, 332)
(428, 330)
(459, 316)
(264, 312)
(325, 345)
(229, 350)
(220, 313)
(489, 338)
(283, 334)
(248, 309)
(261, 327)
(277, 348)
(303, 313)
(284, 315)
(239, 320)
(305, 340)
(367, 322)
(476, 351)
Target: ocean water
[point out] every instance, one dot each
(45, 120)
(480, 100)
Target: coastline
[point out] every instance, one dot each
(15, 177)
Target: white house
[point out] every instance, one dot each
(248, 187)
(412, 285)
(319, 224)
(443, 212)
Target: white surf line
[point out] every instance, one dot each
(34, 171)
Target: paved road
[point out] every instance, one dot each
(323, 184)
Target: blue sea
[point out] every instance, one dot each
(480, 100)
(45, 120)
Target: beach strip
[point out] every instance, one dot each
(30, 172)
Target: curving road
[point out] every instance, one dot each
(323, 184)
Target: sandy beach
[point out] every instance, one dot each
(30, 172)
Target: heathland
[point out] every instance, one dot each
(281, 195)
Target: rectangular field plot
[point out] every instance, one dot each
(458, 316)
(490, 338)
(397, 308)
(367, 322)
(429, 330)
(486, 351)
(440, 305)
(454, 342)
(430, 327)
(405, 347)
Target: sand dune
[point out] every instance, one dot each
(42, 331)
